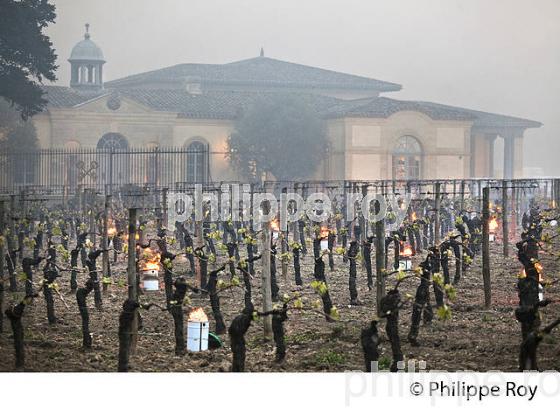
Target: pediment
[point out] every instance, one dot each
(112, 103)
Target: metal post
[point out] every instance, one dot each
(111, 170)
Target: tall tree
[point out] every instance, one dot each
(280, 134)
(26, 53)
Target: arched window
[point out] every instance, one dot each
(112, 140)
(114, 161)
(407, 158)
(197, 162)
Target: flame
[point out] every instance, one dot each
(137, 236)
(151, 260)
(493, 225)
(274, 225)
(539, 268)
(413, 216)
(406, 251)
(197, 315)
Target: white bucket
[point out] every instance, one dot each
(405, 264)
(150, 280)
(491, 237)
(324, 244)
(150, 284)
(197, 336)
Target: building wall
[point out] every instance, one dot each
(369, 143)
(86, 124)
(481, 155)
(212, 132)
(518, 171)
(360, 148)
(82, 127)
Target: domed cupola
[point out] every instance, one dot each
(86, 61)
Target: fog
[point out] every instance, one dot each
(500, 56)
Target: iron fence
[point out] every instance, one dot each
(71, 170)
(66, 172)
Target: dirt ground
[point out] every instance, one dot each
(474, 338)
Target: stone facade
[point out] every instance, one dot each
(370, 137)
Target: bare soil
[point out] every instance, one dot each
(475, 338)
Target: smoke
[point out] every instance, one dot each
(501, 56)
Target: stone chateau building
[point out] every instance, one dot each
(195, 106)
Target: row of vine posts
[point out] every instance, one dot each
(138, 202)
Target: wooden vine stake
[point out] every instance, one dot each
(105, 242)
(462, 206)
(437, 206)
(486, 246)
(91, 217)
(2, 253)
(199, 243)
(131, 272)
(505, 225)
(284, 235)
(379, 258)
(266, 289)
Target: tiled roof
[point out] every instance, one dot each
(229, 105)
(63, 97)
(210, 105)
(261, 71)
(214, 104)
(487, 119)
(384, 107)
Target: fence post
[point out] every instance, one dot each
(164, 210)
(156, 174)
(556, 192)
(111, 170)
(462, 195)
(486, 247)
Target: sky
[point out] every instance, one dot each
(501, 56)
